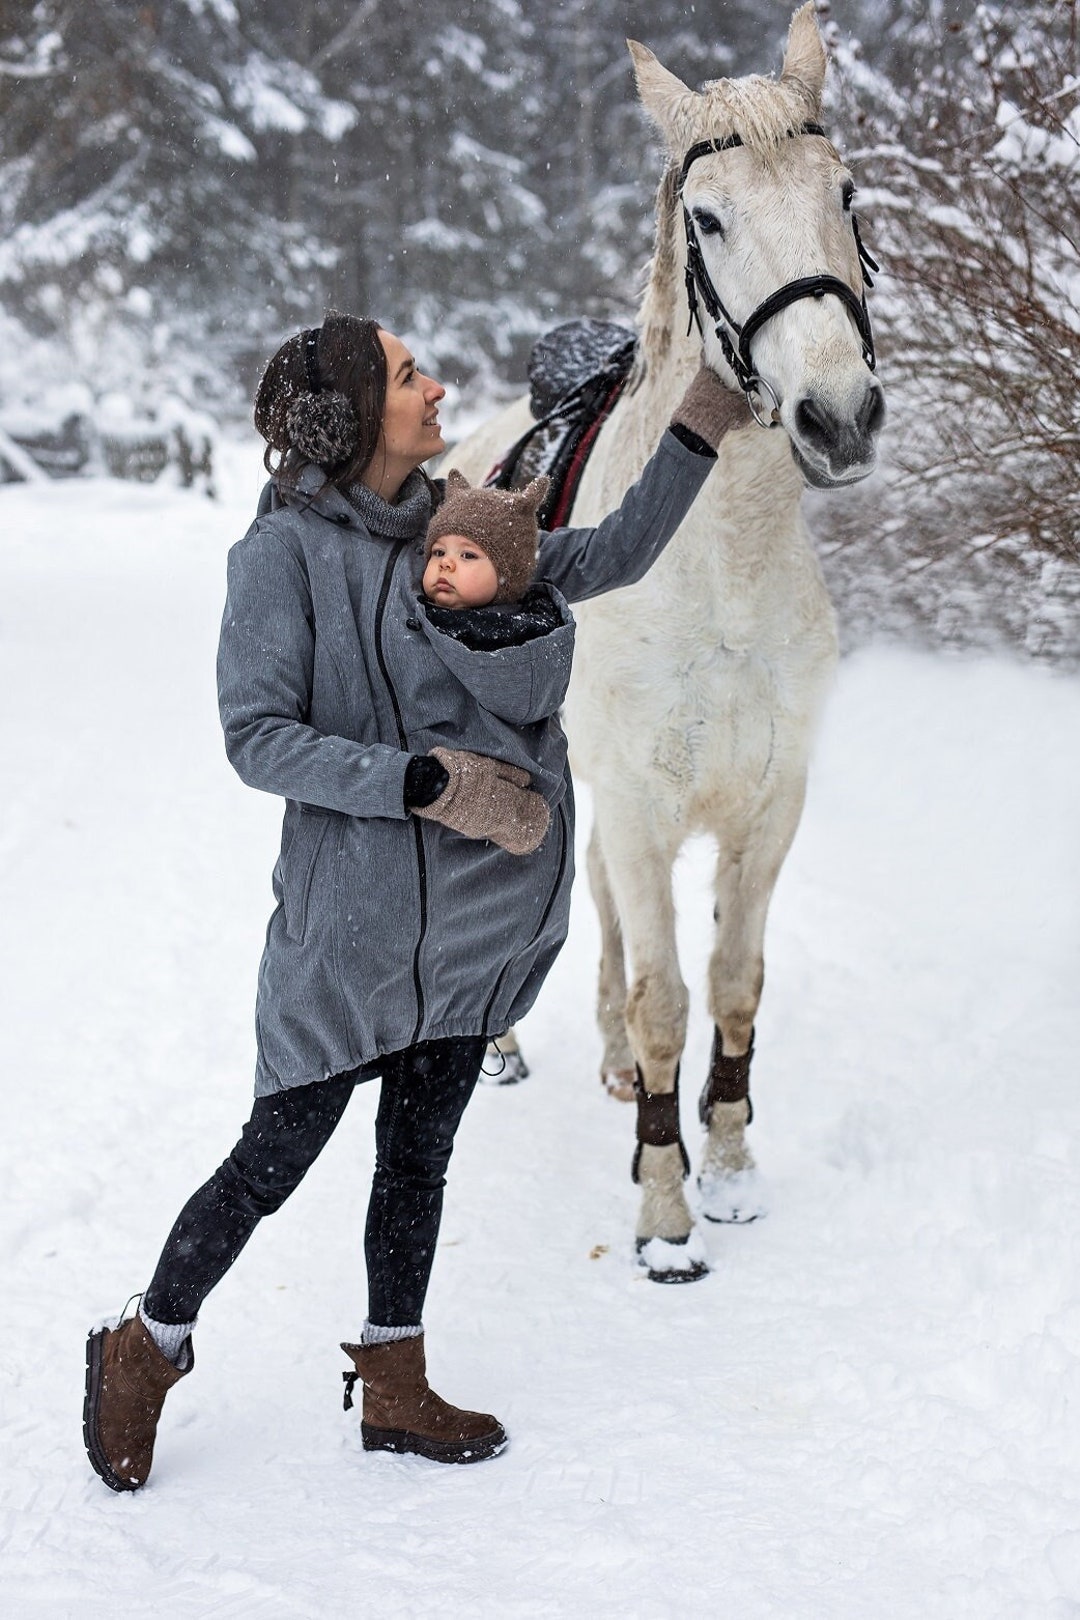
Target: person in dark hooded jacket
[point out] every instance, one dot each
(422, 888)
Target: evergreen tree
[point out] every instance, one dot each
(143, 170)
(441, 228)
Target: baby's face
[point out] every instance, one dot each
(459, 574)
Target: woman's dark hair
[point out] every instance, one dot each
(321, 399)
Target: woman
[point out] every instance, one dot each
(400, 942)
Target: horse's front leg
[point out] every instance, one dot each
(638, 858)
(731, 1188)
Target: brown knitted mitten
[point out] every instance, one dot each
(487, 798)
(711, 409)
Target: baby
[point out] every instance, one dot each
(481, 555)
(508, 640)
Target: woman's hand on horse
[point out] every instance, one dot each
(487, 798)
(710, 409)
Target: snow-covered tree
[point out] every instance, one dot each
(441, 226)
(145, 183)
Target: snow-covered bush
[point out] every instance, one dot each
(968, 177)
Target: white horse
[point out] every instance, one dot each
(695, 692)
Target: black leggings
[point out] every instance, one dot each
(424, 1093)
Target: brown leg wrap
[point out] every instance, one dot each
(657, 1122)
(729, 1079)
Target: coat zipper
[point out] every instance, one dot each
(539, 929)
(421, 859)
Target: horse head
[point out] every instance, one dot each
(770, 247)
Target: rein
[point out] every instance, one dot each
(700, 289)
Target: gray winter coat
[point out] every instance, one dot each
(390, 929)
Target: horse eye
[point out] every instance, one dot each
(848, 193)
(707, 223)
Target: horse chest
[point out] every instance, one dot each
(683, 717)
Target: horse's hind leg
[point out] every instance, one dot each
(617, 1067)
(731, 1189)
(638, 861)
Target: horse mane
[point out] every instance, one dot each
(656, 315)
(762, 111)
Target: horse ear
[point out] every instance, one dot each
(456, 482)
(662, 95)
(804, 59)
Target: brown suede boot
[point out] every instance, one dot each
(127, 1380)
(403, 1413)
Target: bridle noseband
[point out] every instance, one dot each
(699, 287)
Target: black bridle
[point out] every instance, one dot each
(699, 286)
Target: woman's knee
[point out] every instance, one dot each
(281, 1141)
(417, 1142)
(255, 1191)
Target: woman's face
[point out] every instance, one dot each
(411, 433)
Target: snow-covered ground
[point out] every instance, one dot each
(870, 1408)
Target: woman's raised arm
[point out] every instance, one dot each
(622, 548)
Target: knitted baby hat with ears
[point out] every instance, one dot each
(502, 522)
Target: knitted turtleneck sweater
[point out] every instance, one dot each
(403, 519)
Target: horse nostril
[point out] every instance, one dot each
(871, 417)
(813, 421)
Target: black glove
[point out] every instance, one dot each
(425, 779)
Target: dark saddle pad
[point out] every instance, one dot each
(577, 371)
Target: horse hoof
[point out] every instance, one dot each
(673, 1260)
(619, 1083)
(514, 1068)
(733, 1200)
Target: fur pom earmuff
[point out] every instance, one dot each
(323, 427)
